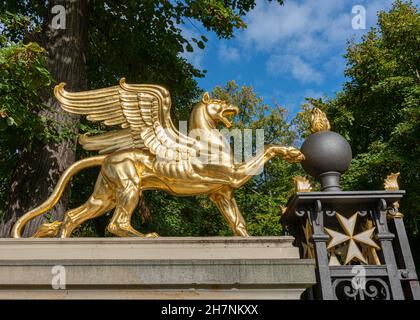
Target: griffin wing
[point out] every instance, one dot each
(143, 113)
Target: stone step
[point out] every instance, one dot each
(147, 248)
(162, 268)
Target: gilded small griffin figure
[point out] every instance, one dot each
(391, 182)
(302, 184)
(149, 153)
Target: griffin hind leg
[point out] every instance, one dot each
(91, 209)
(120, 224)
(100, 202)
(126, 179)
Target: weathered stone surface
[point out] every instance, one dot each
(163, 268)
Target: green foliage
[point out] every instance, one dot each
(23, 76)
(190, 216)
(145, 47)
(143, 41)
(260, 200)
(378, 109)
(147, 40)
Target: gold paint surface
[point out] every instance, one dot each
(350, 239)
(319, 121)
(391, 184)
(308, 247)
(147, 152)
(302, 184)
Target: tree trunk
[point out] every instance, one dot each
(40, 167)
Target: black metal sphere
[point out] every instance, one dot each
(326, 151)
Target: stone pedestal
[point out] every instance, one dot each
(162, 268)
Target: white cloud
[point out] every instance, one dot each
(292, 101)
(310, 34)
(305, 32)
(299, 69)
(196, 57)
(228, 54)
(270, 23)
(373, 7)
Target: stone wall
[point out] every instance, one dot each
(162, 268)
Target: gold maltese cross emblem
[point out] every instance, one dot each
(350, 239)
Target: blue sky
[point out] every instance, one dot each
(287, 52)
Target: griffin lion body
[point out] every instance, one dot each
(148, 153)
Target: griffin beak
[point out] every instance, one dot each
(231, 110)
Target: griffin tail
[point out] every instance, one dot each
(56, 194)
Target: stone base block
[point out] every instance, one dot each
(162, 268)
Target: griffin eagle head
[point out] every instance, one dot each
(219, 110)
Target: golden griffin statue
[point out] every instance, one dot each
(147, 152)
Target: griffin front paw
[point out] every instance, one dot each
(293, 155)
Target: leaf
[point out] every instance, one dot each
(11, 121)
(189, 48)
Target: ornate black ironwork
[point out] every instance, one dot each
(349, 231)
(372, 289)
(389, 272)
